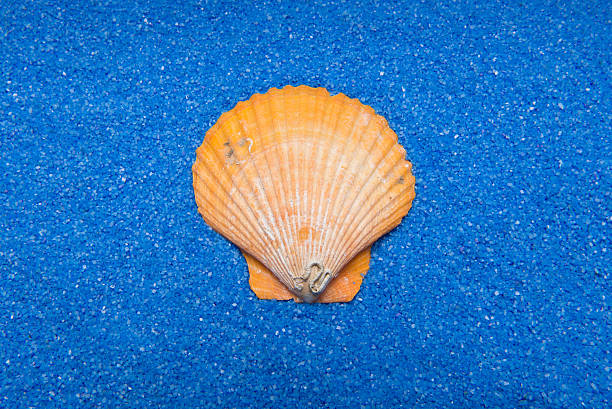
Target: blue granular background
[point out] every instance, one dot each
(494, 291)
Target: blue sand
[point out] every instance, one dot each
(494, 291)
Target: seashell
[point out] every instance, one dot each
(303, 182)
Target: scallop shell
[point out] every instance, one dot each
(303, 182)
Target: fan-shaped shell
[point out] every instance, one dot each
(303, 182)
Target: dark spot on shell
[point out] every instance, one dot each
(401, 180)
(229, 153)
(226, 144)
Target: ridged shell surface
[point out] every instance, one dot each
(303, 182)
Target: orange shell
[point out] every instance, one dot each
(303, 182)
